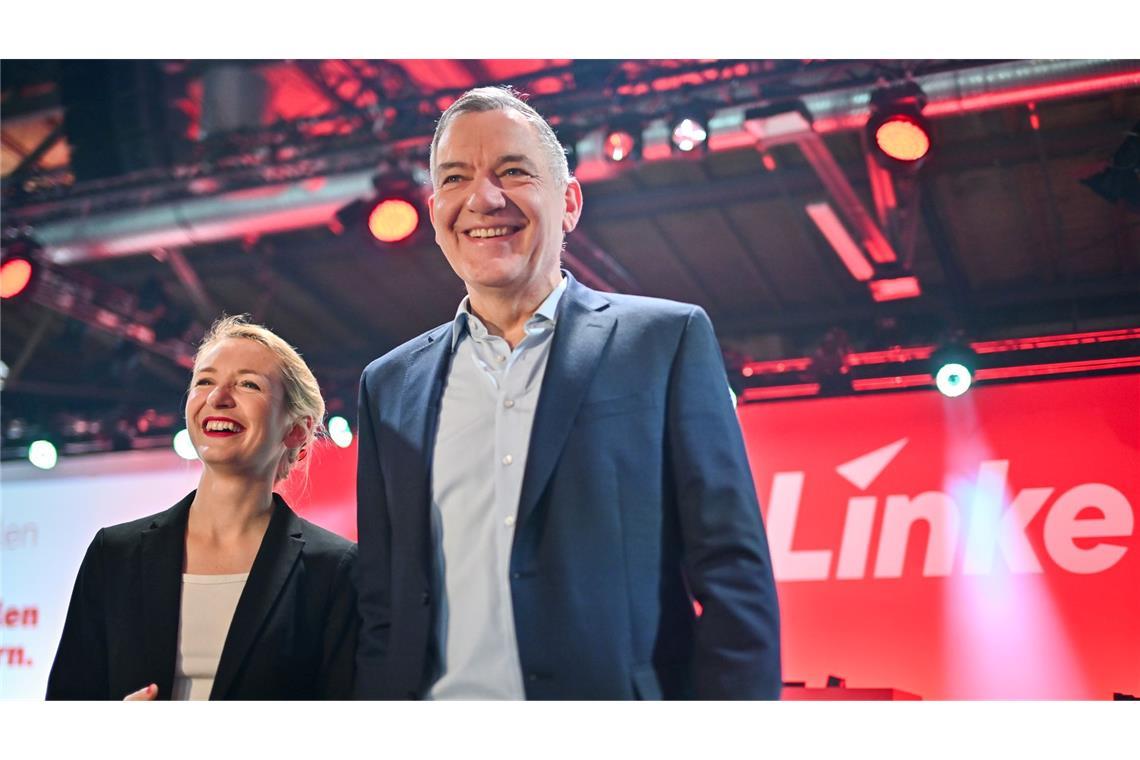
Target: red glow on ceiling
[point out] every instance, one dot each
(902, 354)
(1054, 341)
(890, 356)
(1056, 368)
(878, 248)
(902, 138)
(889, 383)
(882, 188)
(14, 277)
(1036, 93)
(776, 367)
(919, 380)
(894, 289)
(841, 241)
(393, 220)
(440, 74)
(293, 95)
(780, 391)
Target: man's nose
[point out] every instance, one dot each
(486, 195)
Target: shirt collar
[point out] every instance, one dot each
(544, 313)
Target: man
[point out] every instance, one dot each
(549, 481)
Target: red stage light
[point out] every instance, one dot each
(619, 145)
(903, 138)
(392, 220)
(895, 288)
(14, 277)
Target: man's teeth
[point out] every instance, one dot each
(223, 425)
(489, 232)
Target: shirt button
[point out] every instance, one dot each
(500, 358)
(508, 403)
(509, 521)
(508, 459)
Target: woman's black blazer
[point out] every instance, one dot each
(293, 634)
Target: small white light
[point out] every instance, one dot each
(340, 432)
(42, 454)
(688, 134)
(183, 446)
(953, 379)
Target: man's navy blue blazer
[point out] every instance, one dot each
(637, 499)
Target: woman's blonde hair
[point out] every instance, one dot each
(302, 394)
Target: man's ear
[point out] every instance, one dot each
(573, 212)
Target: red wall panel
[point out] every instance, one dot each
(987, 551)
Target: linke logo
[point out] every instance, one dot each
(992, 529)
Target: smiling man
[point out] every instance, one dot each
(549, 481)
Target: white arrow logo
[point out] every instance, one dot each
(862, 471)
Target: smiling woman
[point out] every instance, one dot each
(228, 594)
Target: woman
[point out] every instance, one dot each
(227, 594)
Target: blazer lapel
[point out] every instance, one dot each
(280, 550)
(420, 401)
(419, 405)
(580, 338)
(163, 545)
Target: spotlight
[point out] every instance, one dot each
(689, 133)
(340, 432)
(953, 368)
(183, 446)
(393, 216)
(621, 144)
(393, 220)
(953, 379)
(42, 454)
(898, 135)
(20, 266)
(15, 274)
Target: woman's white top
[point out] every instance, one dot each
(208, 604)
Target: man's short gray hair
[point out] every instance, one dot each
(483, 99)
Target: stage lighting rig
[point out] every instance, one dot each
(953, 365)
(689, 133)
(622, 142)
(394, 216)
(898, 135)
(19, 264)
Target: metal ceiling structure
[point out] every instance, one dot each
(164, 193)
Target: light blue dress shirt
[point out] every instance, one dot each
(485, 420)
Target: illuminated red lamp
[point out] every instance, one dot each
(898, 135)
(895, 288)
(393, 220)
(903, 138)
(619, 145)
(15, 275)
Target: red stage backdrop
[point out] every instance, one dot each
(978, 547)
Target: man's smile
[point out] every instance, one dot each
(483, 233)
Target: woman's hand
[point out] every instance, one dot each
(145, 694)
